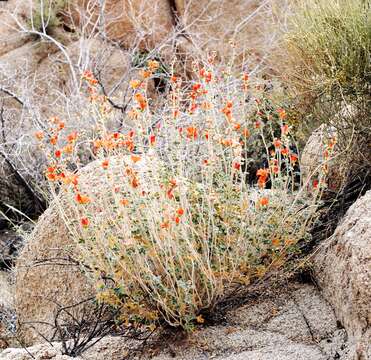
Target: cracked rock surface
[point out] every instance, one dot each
(290, 323)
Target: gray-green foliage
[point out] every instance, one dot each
(44, 16)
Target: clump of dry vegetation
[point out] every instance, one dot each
(169, 226)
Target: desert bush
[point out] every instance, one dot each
(169, 226)
(44, 15)
(328, 48)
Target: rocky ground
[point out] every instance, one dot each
(289, 323)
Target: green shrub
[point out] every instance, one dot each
(44, 16)
(332, 40)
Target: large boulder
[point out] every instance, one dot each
(49, 274)
(39, 75)
(235, 29)
(132, 24)
(342, 269)
(289, 323)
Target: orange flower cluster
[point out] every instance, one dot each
(115, 140)
(132, 175)
(227, 110)
(192, 133)
(89, 77)
(171, 188)
(206, 75)
(262, 175)
(141, 100)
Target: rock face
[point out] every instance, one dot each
(51, 92)
(314, 158)
(48, 273)
(46, 278)
(342, 269)
(285, 324)
(235, 29)
(132, 24)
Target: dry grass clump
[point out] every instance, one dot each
(330, 44)
(325, 62)
(167, 226)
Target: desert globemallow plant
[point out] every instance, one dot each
(165, 222)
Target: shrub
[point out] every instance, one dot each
(328, 44)
(332, 39)
(44, 16)
(168, 226)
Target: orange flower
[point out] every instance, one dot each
(191, 132)
(51, 176)
(134, 84)
(145, 74)
(263, 176)
(276, 242)
(54, 139)
(277, 143)
(61, 125)
(85, 222)
(82, 199)
(105, 164)
(134, 182)
(68, 149)
(281, 113)
(165, 225)
(262, 173)
(237, 126)
(180, 211)
(264, 201)
(293, 158)
(135, 158)
(39, 135)
(237, 166)
(72, 137)
(58, 153)
(285, 151)
(196, 87)
(153, 65)
(246, 132)
(124, 202)
(175, 113)
(285, 129)
(142, 102)
(226, 142)
(177, 219)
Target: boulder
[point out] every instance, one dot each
(342, 269)
(39, 74)
(49, 275)
(317, 160)
(285, 323)
(235, 29)
(132, 24)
